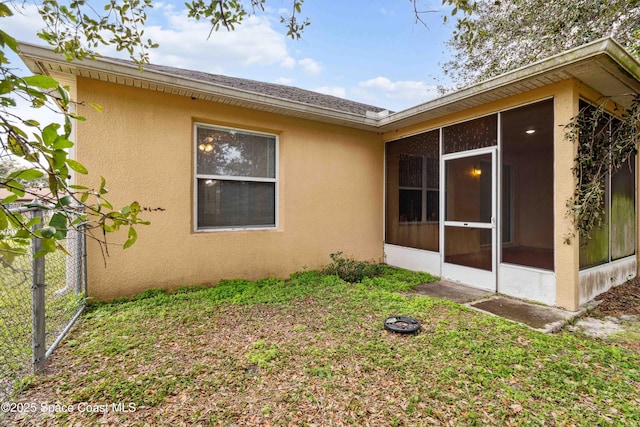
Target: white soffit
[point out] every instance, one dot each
(602, 65)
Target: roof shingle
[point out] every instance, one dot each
(269, 89)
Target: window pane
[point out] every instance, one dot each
(410, 205)
(623, 208)
(413, 181)
(470, 247)
(527, 186)
(468, 187)
(478, 133)
(235, 203)
(227, 152)
(433, 205)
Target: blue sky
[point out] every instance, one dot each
(371, 51)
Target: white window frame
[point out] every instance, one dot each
(198, 176)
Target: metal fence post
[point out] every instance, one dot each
(38, 300)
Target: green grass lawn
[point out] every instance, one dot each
(312, 350)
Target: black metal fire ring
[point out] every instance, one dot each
(401, 324)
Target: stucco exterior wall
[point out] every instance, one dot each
(330, 192)
(567, 259)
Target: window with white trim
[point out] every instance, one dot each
(235, 178)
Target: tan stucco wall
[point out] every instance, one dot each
(567, 254)
(330, 192)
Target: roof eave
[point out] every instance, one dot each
(44, 61)
(608, 52)
(617, 76)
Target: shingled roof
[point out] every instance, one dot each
(262, 88)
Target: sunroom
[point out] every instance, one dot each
(477, 192)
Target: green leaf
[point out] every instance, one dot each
(106, 204)
(22, 234)
(33, 221)
(27, 174)
(9, 199)
(15, 187)
(48, 246)
(43, 82)
(132, 237)
(50, 133)
(96, 106)
(59, 222)
(103, 190)
(66, 201)
(6, 86)
(59, 159)
(5, 11)
(61, 143)
(4, 222)
(7, 40)
(32, 123)
(63, 94)
(48, 232)
(77, 166)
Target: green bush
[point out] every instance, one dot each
(351, 270)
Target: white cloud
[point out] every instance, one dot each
(338, 91)
(24, 24)
(386, 12)
(310, 66)
(395, 95)
(183, 43)
(288, 62)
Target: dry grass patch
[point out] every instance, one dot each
(313, 351)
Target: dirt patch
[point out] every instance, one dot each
(617, 316)
(621, 300)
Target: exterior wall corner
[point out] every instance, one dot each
(567, 256)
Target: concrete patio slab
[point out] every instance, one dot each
(451, 291)
(540, 317)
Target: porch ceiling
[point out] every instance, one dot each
(602, 65)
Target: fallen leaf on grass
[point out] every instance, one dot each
(516, 408)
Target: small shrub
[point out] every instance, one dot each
(350, 270)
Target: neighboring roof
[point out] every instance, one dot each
(31, 194)
(602, 65)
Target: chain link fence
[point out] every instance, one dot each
(40, 298)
